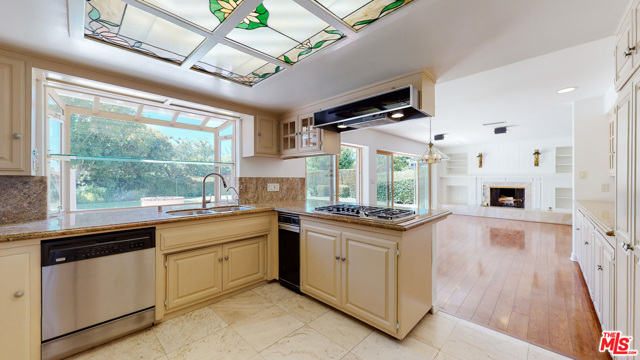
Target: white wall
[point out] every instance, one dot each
(515, 158)
(505, 162)
(591, 149)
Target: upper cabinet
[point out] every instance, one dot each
(14, 137)
(260, 136)
(301, 138)
(627, 58)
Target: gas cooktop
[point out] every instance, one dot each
(365, 212)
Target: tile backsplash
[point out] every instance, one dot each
(22, 198)
(254, 189)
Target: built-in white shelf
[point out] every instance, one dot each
(564, 198)
(457, 164)
(564, 159)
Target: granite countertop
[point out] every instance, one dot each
(603, 213)
(96, 221)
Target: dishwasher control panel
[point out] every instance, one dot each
(85, 247)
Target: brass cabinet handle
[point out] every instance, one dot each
(337, 257)
(598, 267)
(19, 294)
(17, 136)
(586, 243)
(343, 259)
(611, 233)
(226, 258)
(219, 259)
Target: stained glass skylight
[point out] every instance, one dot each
(284, 30)
(264, 40)
(234, 65)
(117, 23)
(194, 12)
(360, 13)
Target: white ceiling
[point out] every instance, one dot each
(453, 39)
(523, 94)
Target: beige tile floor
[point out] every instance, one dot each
(273, 323)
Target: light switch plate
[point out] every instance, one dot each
(273, 187)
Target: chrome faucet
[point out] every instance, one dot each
(236, 191)
(204, 194)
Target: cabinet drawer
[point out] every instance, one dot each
(203, 234)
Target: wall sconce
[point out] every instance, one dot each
(536, 157)
(479, 160)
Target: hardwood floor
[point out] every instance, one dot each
(516, 277)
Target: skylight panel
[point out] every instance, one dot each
(285, 31)
(235, 65)
(360, 13)
(116, 23)
(205, 14)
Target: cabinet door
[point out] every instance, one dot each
(623, 269)
(13, 133)
(623, 53)
(369, 279)
(624, 116)
(243, 262)
(578, 242)
(598, 281)
(193, 276)
(289, 136)
(612, 146)
(608, 286)
(20, 303)
(320, 264)
(267, 137)
(309, 135)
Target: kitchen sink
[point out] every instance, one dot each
(213, 210)
(189, 212)
(220, 209)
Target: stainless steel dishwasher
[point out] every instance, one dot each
(96, 288)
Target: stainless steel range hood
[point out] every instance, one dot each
(386, 108)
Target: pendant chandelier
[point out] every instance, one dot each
(431, 156)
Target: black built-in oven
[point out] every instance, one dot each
(289, 251)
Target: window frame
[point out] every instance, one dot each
(335, 169)
(391, 195)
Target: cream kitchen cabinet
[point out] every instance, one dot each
(200, 260)
(300, 138)
(597, 259)
(379, 276)
(624, 50)
(353, 272)
(14, 136)
(612, 146)
(260, 136)
(194, 276)
(20, 302)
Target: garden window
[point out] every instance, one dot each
(110, 151)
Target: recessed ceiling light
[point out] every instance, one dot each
(566, 90)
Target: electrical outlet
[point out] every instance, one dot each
(604, 187)
(582, 175)
(273, 187)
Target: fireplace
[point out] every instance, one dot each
(507, 197)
